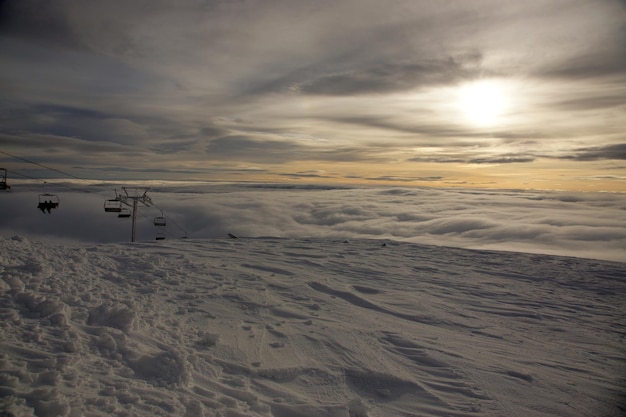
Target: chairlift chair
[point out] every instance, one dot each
(113, 206)
(48, 202)
(3, 180)
(124, 213)
(160, 223)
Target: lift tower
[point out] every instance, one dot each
(138, 195)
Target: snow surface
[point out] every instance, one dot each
(306, 327)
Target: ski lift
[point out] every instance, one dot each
(124, 213)
(113, 205)
(48, 202)
(160, 221)
(3, 180)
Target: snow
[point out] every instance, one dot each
(306, 327)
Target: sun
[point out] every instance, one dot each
(483, 102)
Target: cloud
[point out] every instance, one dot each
(603, 100)
(84, 124)
(617, 151)
(250, 149)
(609, 61)
(452, 157)
(42, 20)
(504, 159)
(443, 159)
(308, 174)
(427, 129)
(577, 224)
(405, 179)
(144, 84)
(393, 77)
(267, 150)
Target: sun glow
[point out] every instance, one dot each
(483, 102)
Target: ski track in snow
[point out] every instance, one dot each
(307, 327)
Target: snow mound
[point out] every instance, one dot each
(287, 328)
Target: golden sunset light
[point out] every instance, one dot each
(406, 89)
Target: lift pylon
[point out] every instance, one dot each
(132, 197)
(137, 195)
(3, 179)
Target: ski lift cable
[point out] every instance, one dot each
(50, 183)
(51, 169)
(42, 165)
(13, 172)
(169, 219)
(72, 176)
(166, 230)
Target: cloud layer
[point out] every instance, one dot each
(578, 224)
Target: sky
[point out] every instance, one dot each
(473, 93)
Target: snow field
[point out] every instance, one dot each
(306, 327)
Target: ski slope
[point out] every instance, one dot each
(307, 327)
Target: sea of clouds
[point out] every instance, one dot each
(590, 225)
